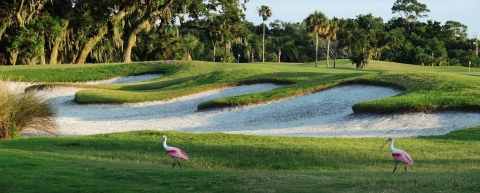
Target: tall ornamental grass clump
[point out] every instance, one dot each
(23, 110)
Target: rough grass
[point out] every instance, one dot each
(23, 110)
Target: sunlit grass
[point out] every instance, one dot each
(127, 162)
(224, 162)
(426, 88)
(424, 92)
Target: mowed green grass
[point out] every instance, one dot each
(127, 162)
(426, 88)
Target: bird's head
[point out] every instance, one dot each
(389, 139)
(163, 137)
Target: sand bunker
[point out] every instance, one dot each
(326, 113)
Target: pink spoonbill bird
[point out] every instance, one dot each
(173, 152)
(399, 155)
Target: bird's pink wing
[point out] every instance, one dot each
(402, 156)
(177, 153)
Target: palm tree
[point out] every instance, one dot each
(189, 43)
(287, 45)
(331, 35)
(318, 24)
(265, 12)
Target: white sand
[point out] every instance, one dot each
(323, 114)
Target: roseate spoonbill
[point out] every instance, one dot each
(399, 155)
(173, 152)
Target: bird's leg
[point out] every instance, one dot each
(174, 160)
(179, 164)
(405, 167)
(395, 166)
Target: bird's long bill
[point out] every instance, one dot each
(384, 144)
(157, 142)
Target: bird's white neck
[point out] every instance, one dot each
(392, 149)
(165, 143)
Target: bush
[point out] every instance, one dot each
(23, 110)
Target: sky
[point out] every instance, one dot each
(466, 12)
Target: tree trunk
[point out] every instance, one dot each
(54, 54)
(432, 58)
(214, 50)
(328, 51)
(127, 54)
(42, 60)
(316, 50)
(263, 43)
(132, 38)
(279, 54)
(82, 57)
(3, 60)
(13, 57)
(335, 57)
(253, 55)
(20, 20)
(73, 58)
(56, 46)
(225, 55)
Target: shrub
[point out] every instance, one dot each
(23, 110)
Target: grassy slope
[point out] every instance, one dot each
(127, 162)
(425, 90)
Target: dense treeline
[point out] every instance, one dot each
(100, 31)
(80, 31)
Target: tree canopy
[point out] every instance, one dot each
(103, 31)
(265, 12)
(317, 24)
